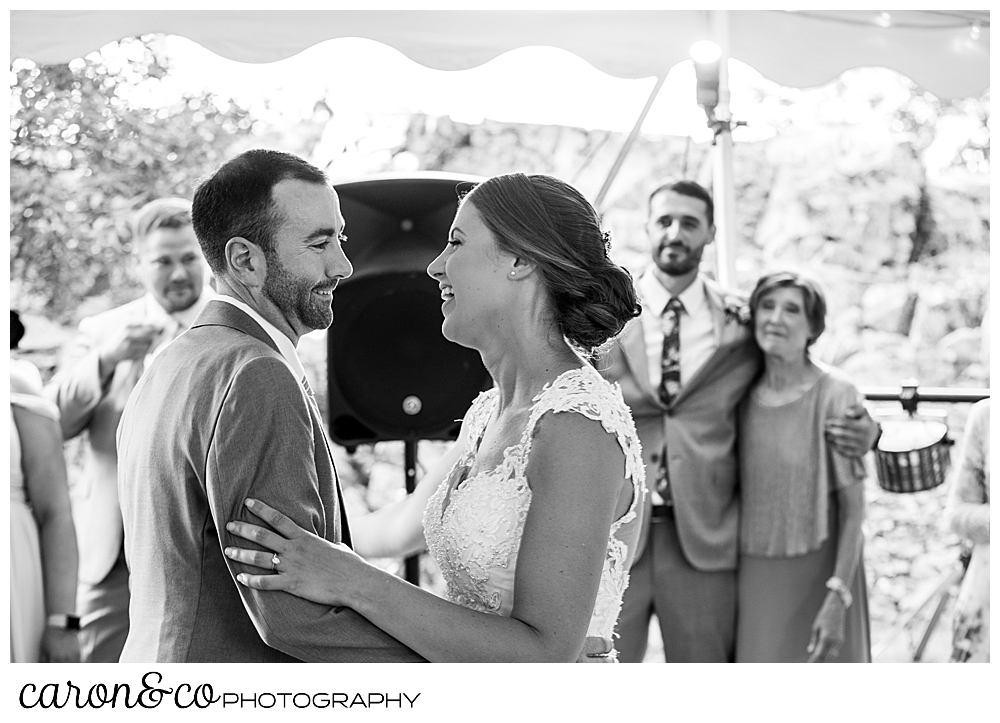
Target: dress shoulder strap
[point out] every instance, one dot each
(479, 415)
(585, 392)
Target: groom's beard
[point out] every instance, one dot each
(298, 298)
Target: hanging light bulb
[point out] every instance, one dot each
(884, 19)
(705, 51)
(706, 56)
(976, 31)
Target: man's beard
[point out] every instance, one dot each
(689, 262)
(186, 302)
(295, 298)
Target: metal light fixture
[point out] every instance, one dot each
(706, 56)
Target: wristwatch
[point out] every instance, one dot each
(835, 584)
(64, 621)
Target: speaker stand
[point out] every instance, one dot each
(412, 563)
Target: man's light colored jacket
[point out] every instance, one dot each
(699, 428)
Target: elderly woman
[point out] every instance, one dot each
(801, 581)
(968, 515)
(533, 515)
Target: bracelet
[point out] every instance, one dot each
(835, 584)
(64, 621)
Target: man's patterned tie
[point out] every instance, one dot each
(670, 382)
(670, 364)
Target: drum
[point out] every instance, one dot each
(913, 454)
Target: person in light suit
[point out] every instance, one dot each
(225, 413)
(97, 373)
(684, 368)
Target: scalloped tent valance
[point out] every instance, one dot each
(944, 52)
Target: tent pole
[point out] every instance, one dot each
(629, 142)
(723, 189)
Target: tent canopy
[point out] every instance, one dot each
(944, 52)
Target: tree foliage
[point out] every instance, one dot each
(90, 142)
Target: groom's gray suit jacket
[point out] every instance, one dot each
(217, 418)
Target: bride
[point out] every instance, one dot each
(532, 514)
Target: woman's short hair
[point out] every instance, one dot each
(548, 222)
(813, 297)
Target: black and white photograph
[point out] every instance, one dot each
(499, 333)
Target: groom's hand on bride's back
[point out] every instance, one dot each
(597, 650)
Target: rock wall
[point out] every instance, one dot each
(904, 259)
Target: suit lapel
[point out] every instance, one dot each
(718, 305)
(634, 348)
(342, 532)
(633, 344)
(220, 313)
(727, 332)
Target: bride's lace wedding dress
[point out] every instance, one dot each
(473, 526)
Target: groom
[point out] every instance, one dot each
(225, 413)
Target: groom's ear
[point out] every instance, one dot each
(245, 261)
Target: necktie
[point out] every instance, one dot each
(670, 363)
(670, 383)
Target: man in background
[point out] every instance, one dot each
(684, 369)
(98, 371)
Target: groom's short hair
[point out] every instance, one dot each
(236, 201)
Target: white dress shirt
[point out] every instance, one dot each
(697, 338)
(283, 343)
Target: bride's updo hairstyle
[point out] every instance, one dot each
(549, 223)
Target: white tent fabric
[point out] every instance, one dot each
(945, 52)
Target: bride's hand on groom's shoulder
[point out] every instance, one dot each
(296, 560)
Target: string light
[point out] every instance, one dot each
(884, 19)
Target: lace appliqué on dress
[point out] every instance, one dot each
(473, 526)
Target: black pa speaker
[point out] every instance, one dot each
(391, 374)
